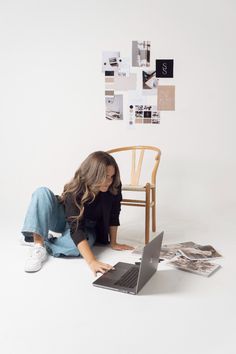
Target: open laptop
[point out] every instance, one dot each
(130, 278)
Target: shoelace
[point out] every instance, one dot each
(36, 252)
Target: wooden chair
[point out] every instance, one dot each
(148, 187)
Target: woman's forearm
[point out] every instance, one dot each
(86, 252)
(94, 264)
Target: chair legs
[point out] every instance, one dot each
(154, 209)
(149, 202)
(147, 213)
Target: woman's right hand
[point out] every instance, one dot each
(99, 267)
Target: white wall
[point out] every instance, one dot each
(52, 97)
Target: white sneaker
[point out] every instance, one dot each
(36, 259)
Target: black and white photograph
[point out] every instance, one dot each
(139, 114)
(114, 107)
(141, 53)
(150, 82)
(110, 61)
(198, 267)
(199, 252)
(169, 251)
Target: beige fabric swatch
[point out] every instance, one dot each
(109, 79)
(166, 98)
(109, 93)
(109, 86)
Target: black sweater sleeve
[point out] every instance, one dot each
(76, 228)
(115, 209)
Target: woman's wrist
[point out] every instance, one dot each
(90, 261)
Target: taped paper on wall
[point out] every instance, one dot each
(125, 83)
(123, 67)
(114, 107)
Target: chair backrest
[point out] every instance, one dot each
(137, 161)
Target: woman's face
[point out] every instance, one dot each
(109, 179)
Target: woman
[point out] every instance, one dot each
(86, 212)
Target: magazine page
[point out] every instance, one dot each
(199, 252)
(198, 267)
(169, 251)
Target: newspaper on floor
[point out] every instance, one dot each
(200, 267)
(199, 252)
(190, 250)
(169, 251)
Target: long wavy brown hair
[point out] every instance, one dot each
(87, 180)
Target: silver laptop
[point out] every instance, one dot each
(130, 278)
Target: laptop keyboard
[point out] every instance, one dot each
(129, 278)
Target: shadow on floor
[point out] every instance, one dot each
(165, 282)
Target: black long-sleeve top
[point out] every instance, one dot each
(104, 211)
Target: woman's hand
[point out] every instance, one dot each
(99, 267)
(121, 247)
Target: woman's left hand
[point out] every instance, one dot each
(121, 247)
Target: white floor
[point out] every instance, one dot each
(58, 310)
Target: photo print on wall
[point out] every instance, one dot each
(141, 53)
(110, 61)
(114, 107)
(143, 84)
(150, 82)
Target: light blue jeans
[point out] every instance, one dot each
(46, 213)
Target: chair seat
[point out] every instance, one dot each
(136, 188)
